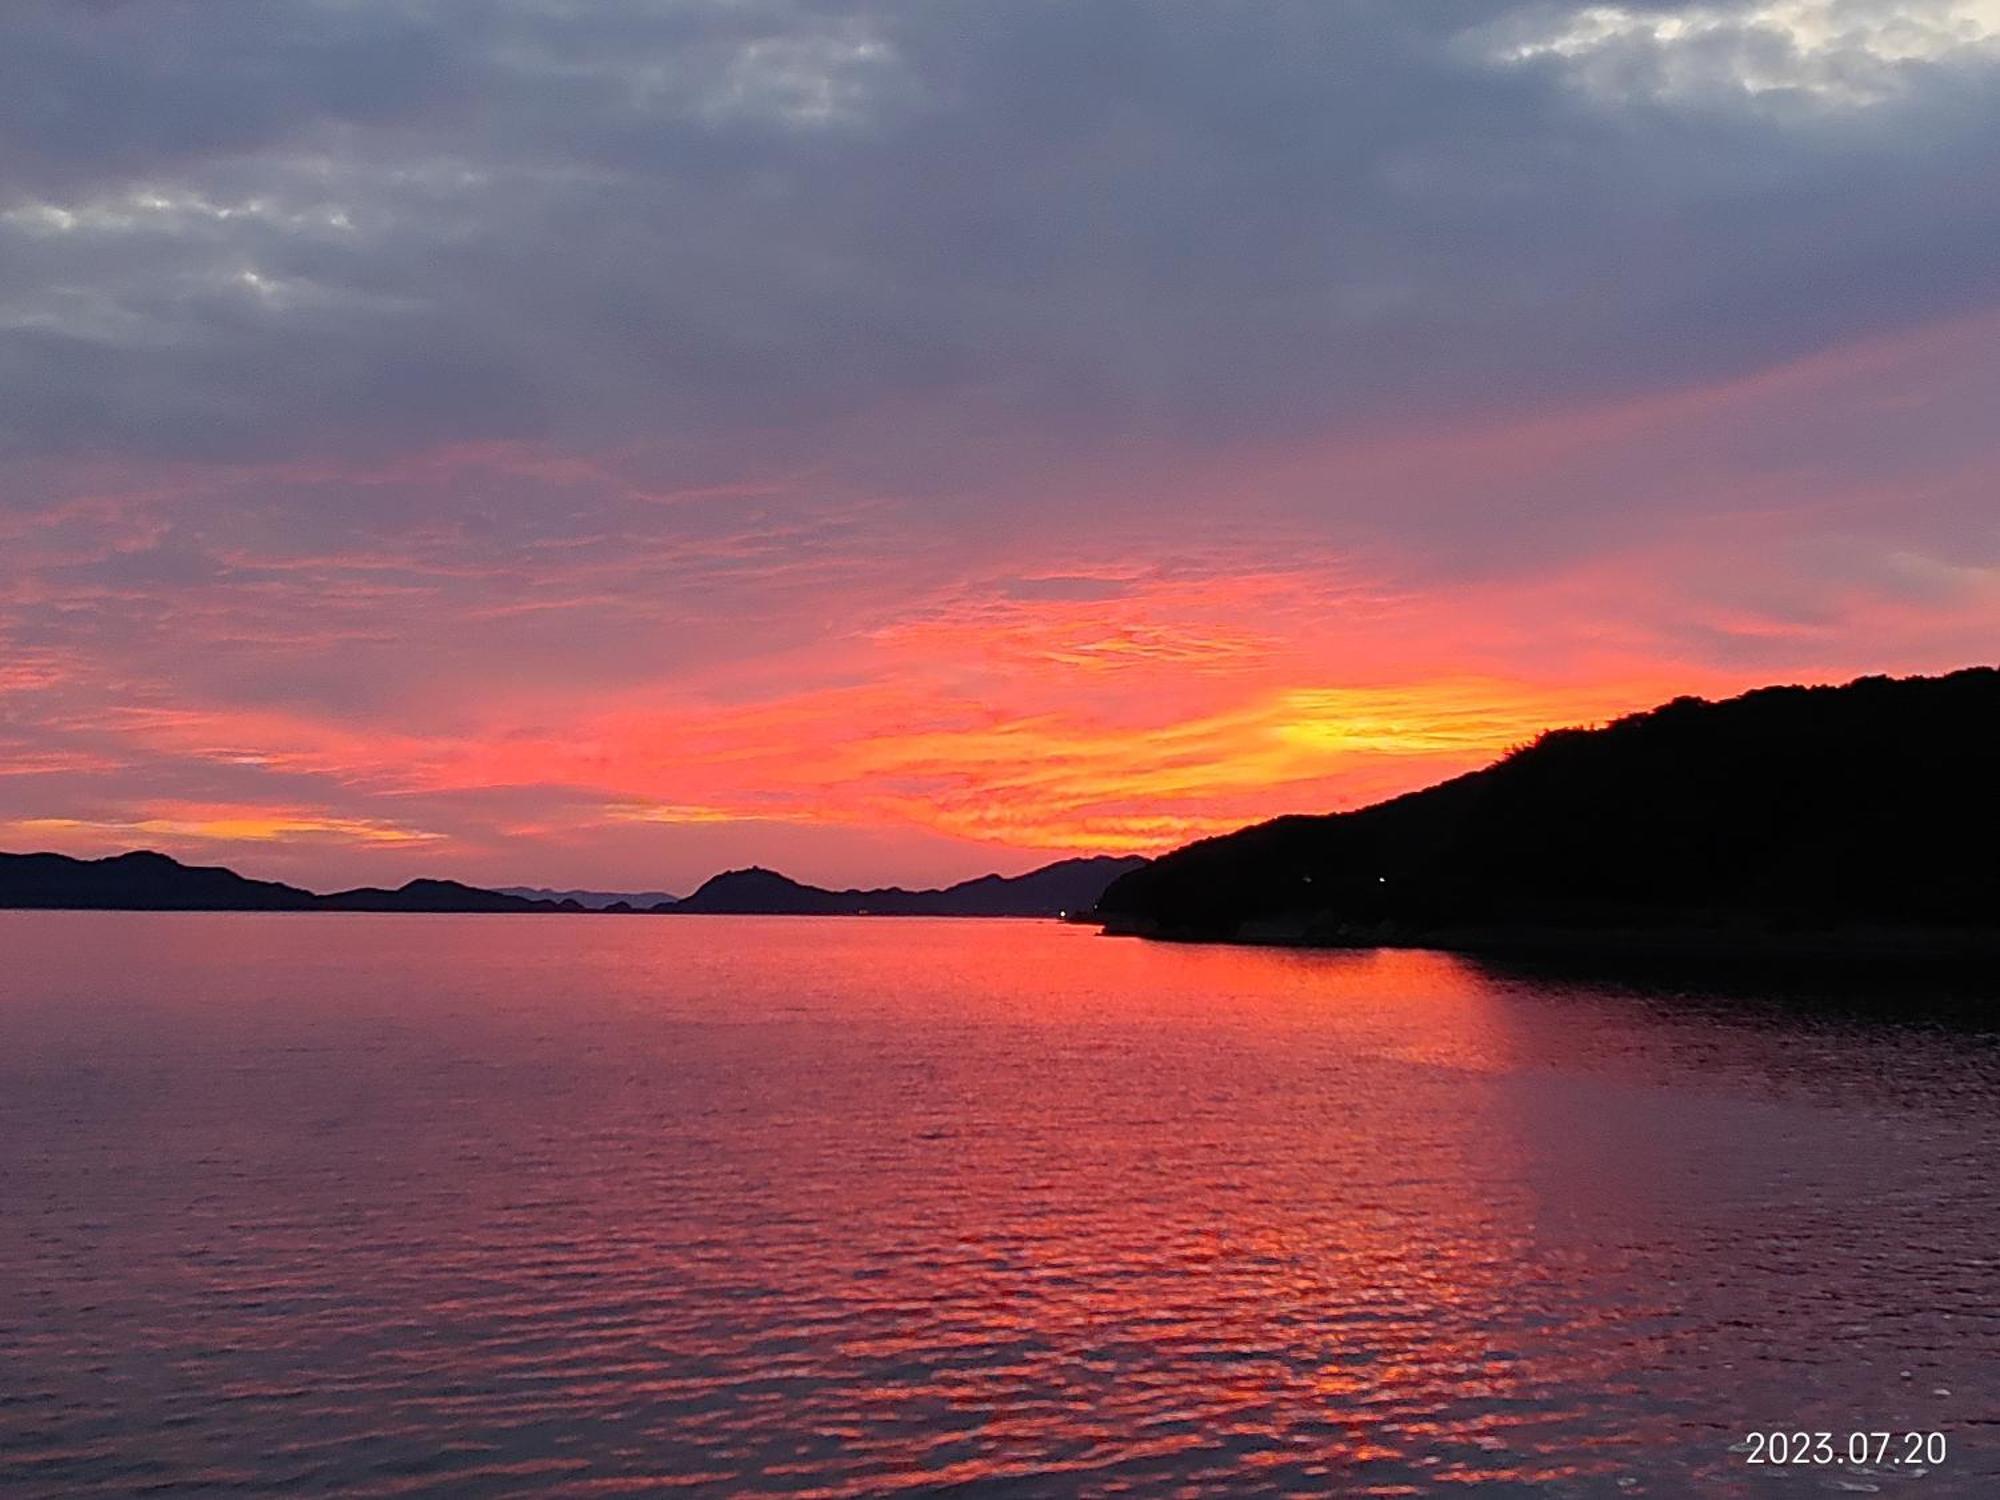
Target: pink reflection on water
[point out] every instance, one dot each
(569, 1206)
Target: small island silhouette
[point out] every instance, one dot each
(1863, 818)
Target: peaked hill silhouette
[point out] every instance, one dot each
(1788, 809)
(139, 881)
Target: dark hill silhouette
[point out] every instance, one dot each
(761, 891)
(146, 881)
(1789, 809)
(435, 895)
(1069, 885)
(139, 881)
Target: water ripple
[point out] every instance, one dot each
(380, 1207)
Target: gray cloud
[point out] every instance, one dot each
(251, 231)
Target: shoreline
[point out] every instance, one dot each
(1875, 949)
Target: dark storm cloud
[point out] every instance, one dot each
(240, 231)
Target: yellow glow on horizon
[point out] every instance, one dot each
(1072, 775)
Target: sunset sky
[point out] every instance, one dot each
(532, 441)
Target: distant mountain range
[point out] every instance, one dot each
(1070, 885)
(146, 881)
(1759, 821)
(593, 900)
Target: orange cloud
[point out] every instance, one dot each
(1018, 752)
(795, 674)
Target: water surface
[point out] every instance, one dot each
(431, 1205)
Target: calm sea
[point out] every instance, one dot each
(371, 1206)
